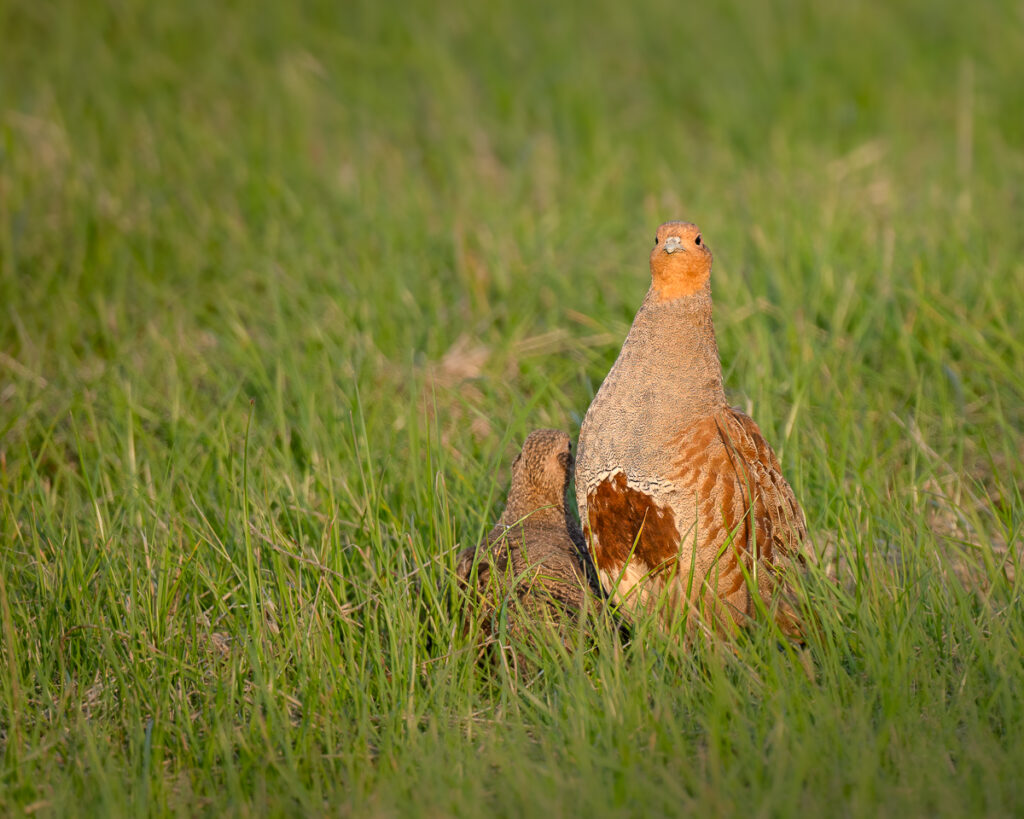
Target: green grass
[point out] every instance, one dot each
(281, 291)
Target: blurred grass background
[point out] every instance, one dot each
(283, 287)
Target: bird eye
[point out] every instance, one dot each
(697, 240)
(655, 240)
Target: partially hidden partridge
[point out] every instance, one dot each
(533, 566)
(683, 501)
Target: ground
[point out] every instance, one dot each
(284, 286)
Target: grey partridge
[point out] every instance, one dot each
(534, 563)
(683, 502)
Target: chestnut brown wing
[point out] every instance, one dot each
(748, 520)
(778, 522)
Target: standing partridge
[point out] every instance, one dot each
(683, 501)
(534, 563)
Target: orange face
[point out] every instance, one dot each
(680, 261)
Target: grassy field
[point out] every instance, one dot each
(282, 290)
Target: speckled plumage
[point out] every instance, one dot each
(534, 562)
(681, 497)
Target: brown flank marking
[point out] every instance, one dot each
(616, 512)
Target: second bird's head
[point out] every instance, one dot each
(680, 261)
(543, 467)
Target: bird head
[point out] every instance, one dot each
(680, 261)
(541, 471)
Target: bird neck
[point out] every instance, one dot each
(527, 503)
(671, 350)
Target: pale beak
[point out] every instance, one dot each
(673, 243)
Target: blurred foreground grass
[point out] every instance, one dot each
(410, 233)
